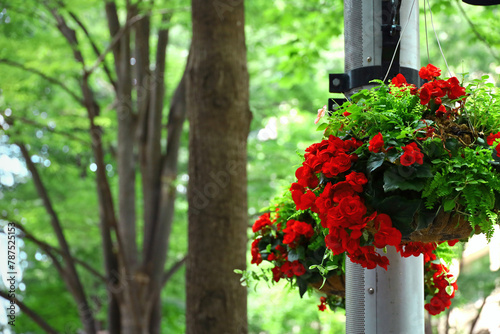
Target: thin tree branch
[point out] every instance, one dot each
(153, 155)
(474, 322)
(172, 270)
(45, 247)
(94, 47)
(125, 229)
(44, 76)
(74, 282)
(50, 251)
(477, 33)
(68, 33)
(118, 33)
(30, 313)
(158, 249)
(11, 119)
(116, 38)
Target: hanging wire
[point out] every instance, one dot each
(399, 41)
(437, 39)
(426, 37)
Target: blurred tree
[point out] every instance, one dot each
(219, 119)
(133, 243)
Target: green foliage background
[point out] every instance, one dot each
(292, 46)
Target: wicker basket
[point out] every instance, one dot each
(446, 226)
(334, 285)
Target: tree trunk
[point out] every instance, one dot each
(219, 117)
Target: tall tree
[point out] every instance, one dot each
(134, 243)
(219, 118)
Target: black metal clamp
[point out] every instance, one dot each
(358, 77)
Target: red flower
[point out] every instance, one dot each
(411, 155)
(256, 256)
(455, 90)
(399, 80)
(336, 218)
(325, 200)
(298, 268)
(425, 94)
(441, 111)
(304, 229)
(287, 269)
(440, 282)
(386, 234)
(429, 72)
(306, 177)
(294, 229)
(492, 137)
(334, 244)
(356, 180)
(417, 248)
(368, 258)
(277, 273)
(376, 143)
(303, 201)
(352, 207)
(341, 190)
(262, 222)
(322, 305)
(337, 165)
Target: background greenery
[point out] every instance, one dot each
(292, 46)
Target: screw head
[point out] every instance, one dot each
(369, 59)
(371, 291)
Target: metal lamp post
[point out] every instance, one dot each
(379, 301)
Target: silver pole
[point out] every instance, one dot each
(379, 301)
(386, 302)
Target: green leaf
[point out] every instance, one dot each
(375, 161)
(302, 284)
(453, 145)
(426, 217)
(423, 171)
(449, 205)
(394, 181)
(293, 255)
(393, 155)
(322, 127)
(401, 210)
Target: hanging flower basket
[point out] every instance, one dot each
(398, 166)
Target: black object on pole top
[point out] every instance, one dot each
(482, 2)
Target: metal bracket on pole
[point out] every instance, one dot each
(371, 48)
